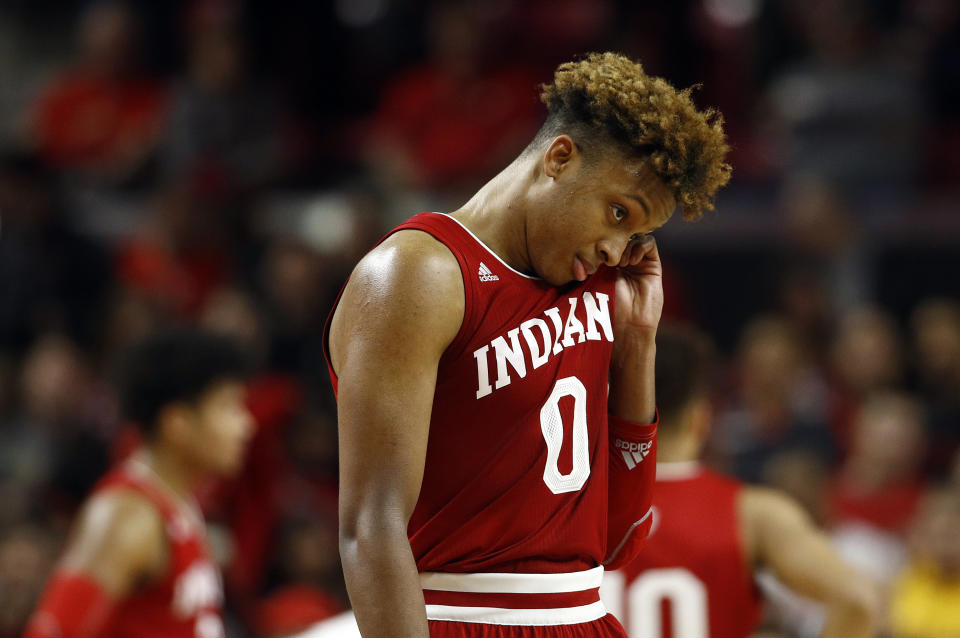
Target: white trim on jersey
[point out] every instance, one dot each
(627, 535)
(499, 616)
(507, 583)
(487, 248)
(678, 470)
(343, 625)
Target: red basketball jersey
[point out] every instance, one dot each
(519, 455)
(690, 579)
(186, 601)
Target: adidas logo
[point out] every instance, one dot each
(486, 274)
(633, 453)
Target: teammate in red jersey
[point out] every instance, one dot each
(477, 357)
(137, 564)
(694, 576)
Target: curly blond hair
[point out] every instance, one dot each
(609, 92)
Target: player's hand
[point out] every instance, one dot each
(639, 289)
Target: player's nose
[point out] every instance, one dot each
(611, 250)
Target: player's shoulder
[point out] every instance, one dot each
(409, 289)
(410, 268)
(123, 513)
(411, 252)
(117, 539)
(769, 504)
(120, 521)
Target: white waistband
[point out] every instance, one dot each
(498, 616)
(505, 583)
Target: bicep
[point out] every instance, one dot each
(790, 544)
(397, 315)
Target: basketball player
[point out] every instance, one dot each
(137, 563)
(694, 576)
(480, 488)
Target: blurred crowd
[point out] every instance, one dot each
(227, 162)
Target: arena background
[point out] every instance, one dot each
(227, 163)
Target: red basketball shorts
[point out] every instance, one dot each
(607, 627)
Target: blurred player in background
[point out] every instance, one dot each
(695, 575)
(474, 355)
(137, 563)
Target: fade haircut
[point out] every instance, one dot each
(175, 365)
(608, 97)
(683, 370)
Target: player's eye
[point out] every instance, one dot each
(619, 213)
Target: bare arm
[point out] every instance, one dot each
(639, 302)
(402, 308)
(117, 544)
(778, 534)
(632, 395)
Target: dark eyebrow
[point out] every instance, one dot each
(643, 204)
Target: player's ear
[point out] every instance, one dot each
(559, 155)
(173, 422)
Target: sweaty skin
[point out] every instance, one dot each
(548, 214)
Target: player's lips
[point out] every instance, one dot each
(582, 269)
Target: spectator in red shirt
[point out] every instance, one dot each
(180, 257)
(450, 120)
(880, 484)
(874, 497)
(102, 116)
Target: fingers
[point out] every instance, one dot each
(638, 250)
(627, 254)
(651, 252)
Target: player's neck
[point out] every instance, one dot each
(677, 448)
(171, 471)
(497, 214)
